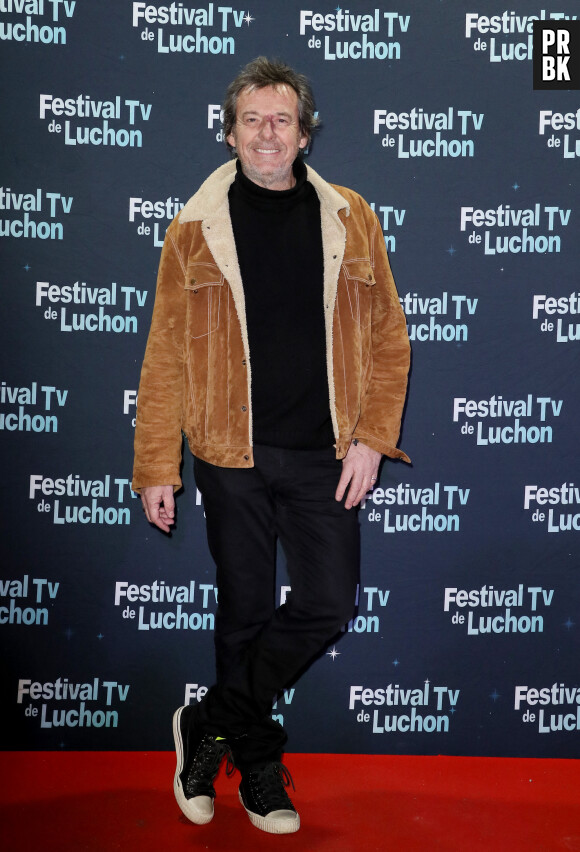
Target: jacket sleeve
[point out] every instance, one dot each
(158, 437)
(384, 394)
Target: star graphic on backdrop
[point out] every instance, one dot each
(100, 636)
(569, 624)
(451, 251)
(338, 9)
(495, 695)
(427, 680)
(395, 662)
(334, 653)
(26, 268)
(516, 186)
(248, 18)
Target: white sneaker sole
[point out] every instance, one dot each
(272, 824)
(198, 810)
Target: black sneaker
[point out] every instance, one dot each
(199, 757)
(263, 795)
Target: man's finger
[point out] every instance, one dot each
(159, 506)
(345, 478)
(356, 489)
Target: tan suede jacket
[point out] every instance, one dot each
(197, 376)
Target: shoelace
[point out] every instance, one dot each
(266, 785)
(210, 754)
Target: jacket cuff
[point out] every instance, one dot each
(146, 477)
(382, 447)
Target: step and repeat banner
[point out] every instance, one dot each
(465, 639)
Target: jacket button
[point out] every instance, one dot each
(244, 363)
(244, 408)
(246, 458)
(195, 291)
(193, 280)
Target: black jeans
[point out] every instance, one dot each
(260, 648)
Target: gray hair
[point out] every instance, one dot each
(262, 72)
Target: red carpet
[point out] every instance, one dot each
(348, 803)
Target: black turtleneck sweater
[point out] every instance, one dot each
(279, 245)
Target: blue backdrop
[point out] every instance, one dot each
(465, 639)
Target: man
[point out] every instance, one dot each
(279, 347)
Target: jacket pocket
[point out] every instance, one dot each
(203, 285)
(360, 280)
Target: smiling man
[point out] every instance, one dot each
(279, 348)
(267, 136)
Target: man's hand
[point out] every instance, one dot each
(359, 467)
(159, 505)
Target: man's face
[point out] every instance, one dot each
(267, 135)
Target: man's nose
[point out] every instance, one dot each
(267, 127)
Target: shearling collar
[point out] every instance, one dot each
(214, 190)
